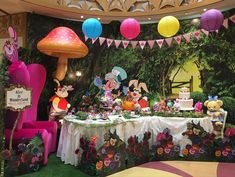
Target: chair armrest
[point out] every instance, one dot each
(49, 126)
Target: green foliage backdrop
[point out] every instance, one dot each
(214, 56)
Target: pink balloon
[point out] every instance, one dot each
(130, 28)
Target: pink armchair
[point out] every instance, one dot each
(32, 76)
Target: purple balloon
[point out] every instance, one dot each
(212, 20)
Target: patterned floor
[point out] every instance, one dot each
(180, 169)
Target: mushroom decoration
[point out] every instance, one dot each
(62, 42)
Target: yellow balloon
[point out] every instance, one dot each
(168, 26)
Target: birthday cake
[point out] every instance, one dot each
(185, 102)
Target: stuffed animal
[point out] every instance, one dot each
(59, 105)
(198, 107)
(217, 114)
(214, 107)
(176, 106)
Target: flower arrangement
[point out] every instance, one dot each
(26, 158)
(201, 146)
(165, 148)
(89, 155)
(225, 149)
(138, 151)
(111, 155)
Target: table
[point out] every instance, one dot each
(73, 129)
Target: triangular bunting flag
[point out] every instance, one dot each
(93, 40)
(197, 34)
(187, 37)
(109, 42)
(86, 38)
(169, 41)
(133, 44)
(142, 44)
(151, 43)
(232, 18)
(225, 23)
(178, 39)
(117, 43)
(102, 39)
(125, 44)
(205, 32)
(160, 42)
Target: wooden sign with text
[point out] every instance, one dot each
(18, 98)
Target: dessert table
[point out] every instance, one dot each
(73, 129)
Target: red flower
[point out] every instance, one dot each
(135, 149)
(6, 154)
(140, 154)
(160, 137)
(25, 157)
(131, 140)
(77, 151)
(82, 142)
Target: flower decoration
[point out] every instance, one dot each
(89, 159)
(225, 149)
(201, 146)
(138, 151)
(164, 148)
(26, 158)
(111, 155)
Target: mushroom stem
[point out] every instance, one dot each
(61, 68)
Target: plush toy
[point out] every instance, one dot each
(214, 107)
(59, 105)
(176, 106)
(198, 107)
(217, 114)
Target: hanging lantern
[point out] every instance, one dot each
(130, 28)
(92, 28)
(168, 26)
(212, 20)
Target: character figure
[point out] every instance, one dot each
(59, 105)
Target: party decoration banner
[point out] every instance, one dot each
(160, 42)
(151, 43)
(142, 44)
(101, 39)
(109, 42)
(125, 44)
(187, 37)
(169, 41)
(134, 44)
(178, 39)
(117, 43)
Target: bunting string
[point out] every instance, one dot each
(160, 42)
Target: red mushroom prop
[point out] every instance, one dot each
(62, 42)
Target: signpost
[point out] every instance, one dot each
(18, 98)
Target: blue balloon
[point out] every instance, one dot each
(92, 28)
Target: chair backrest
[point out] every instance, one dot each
(225, 117)
(37, 81)
(19, 75)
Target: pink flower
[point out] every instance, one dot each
(161, 136)
(225, 153)
(192, 151)
(107, 161)
(167, 150)
(35, 159)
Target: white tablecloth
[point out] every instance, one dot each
(72, 130)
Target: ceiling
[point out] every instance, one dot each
(146, 11)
